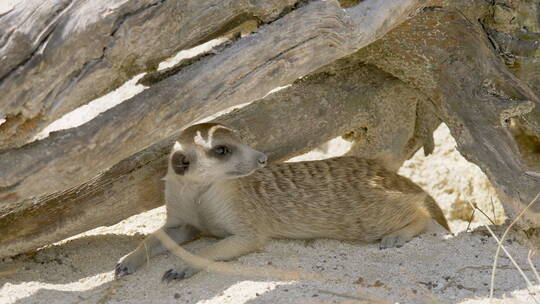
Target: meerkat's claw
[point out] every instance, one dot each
(392, 241)
(172, 274)
(178, 274)
(122, 270)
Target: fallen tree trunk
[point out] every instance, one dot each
(333, 102)
(59, 54)
(472, 90)
(291, 47)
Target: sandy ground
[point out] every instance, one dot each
(434, 267)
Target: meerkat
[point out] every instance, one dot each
(217, 185)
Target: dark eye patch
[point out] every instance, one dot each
(221, 151)
(180, 163)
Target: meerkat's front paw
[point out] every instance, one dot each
(123, 269)
(126, 265)
(392, 241)
(178, 274)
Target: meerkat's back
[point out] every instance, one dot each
(345, 198)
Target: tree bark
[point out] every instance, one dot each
(60, 54)
(280, 52)
(449, 57)
(334, 101)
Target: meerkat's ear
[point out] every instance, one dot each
(179, 163)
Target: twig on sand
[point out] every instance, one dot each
(501, 246)
(487, 216)
(529, 256)
(470, 220)
(529, 284)
(9, 272)
(493, 209)
(358, 298)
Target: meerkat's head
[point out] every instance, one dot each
(209, 152)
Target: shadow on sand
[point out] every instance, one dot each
(449, 269)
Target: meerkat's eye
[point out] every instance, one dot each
(222, 150)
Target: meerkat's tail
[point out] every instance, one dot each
(436, 212)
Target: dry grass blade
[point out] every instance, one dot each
(529, 256)
(502, 240)
(529, 284)
(493, 209)
(501, 246)
(470, 220)
(489, 219)
(8, 272)
(357, 298)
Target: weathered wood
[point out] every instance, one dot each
(284, 124)
(522, 57)
(449, 57)
(59, 54)
(382, 138)
(514, 29)
(280, 52)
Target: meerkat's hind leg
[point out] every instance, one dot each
(225, 249)
(400, 237)
(150, 247)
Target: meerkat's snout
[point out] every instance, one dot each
(245, 162)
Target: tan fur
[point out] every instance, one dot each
(344, 198)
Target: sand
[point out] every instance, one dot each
(436, 267)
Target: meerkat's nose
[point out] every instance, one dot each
(262, 159)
